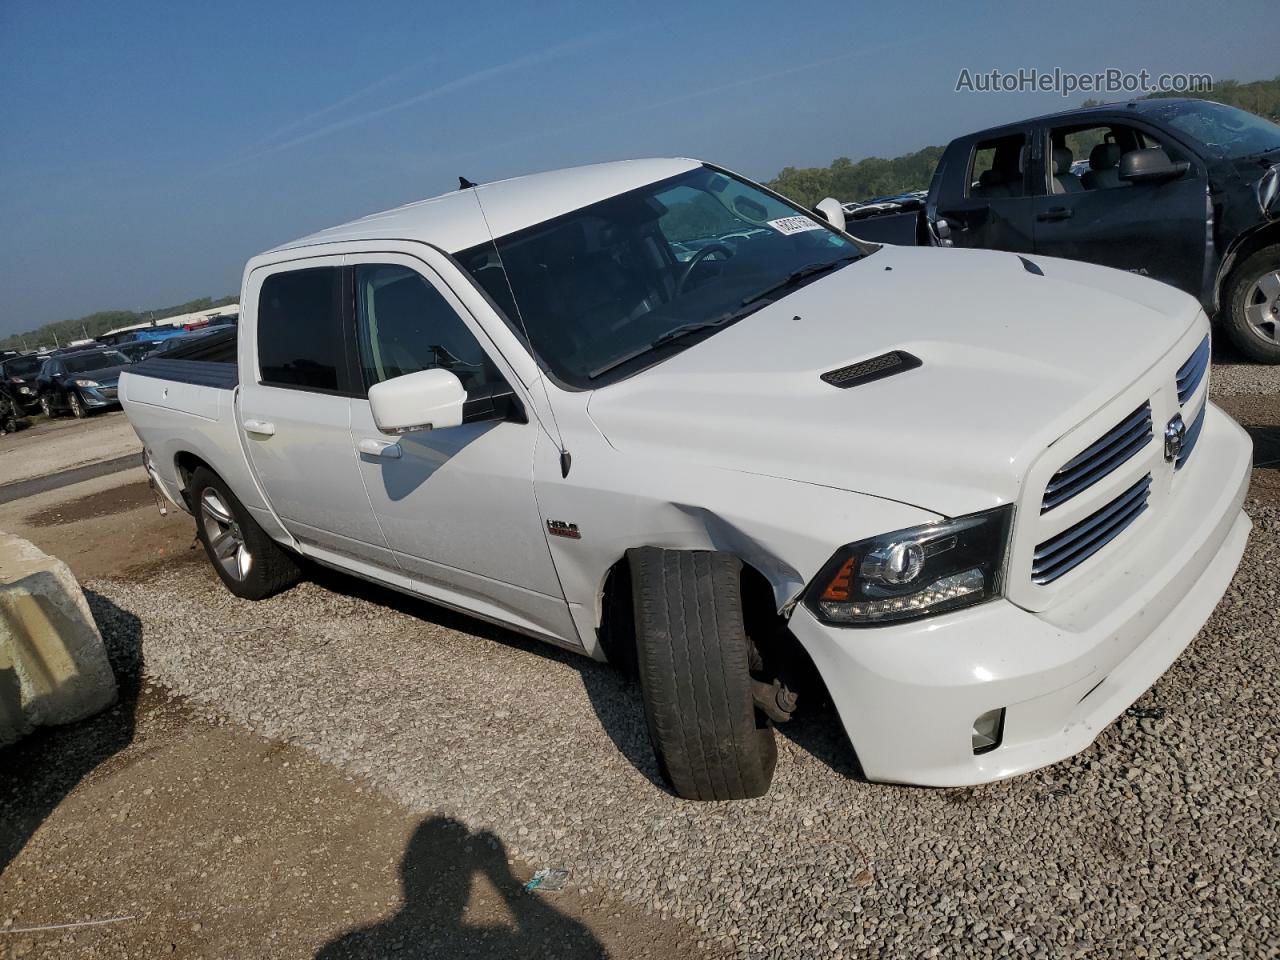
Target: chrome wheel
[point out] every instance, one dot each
(1262, 307)
(222, 533)
(77, 406)
(45, 407)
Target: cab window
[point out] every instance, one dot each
(300, 342)
(1087, 157)
(404, 324)
(996, 168)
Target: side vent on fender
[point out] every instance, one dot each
(877, 368)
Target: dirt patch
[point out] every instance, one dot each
(105, 527)
(200, 839)
(101, 504)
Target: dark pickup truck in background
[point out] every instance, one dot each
(1183, 191)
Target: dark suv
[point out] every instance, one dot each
(80, 382)
(18, 380)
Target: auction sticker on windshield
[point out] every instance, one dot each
(789, 225)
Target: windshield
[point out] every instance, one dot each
(22, 366)
(94, 361)
(597, 287)
(1232, 132)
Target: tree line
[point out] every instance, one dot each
(844, 179)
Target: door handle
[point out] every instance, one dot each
(388, 449)
(1056, 213)
(262, 428)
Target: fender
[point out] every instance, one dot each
(1263, 234)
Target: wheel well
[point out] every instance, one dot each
(187, 464)
(780, 654)
(1259, 238)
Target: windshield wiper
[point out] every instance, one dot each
(795, 276)
(749, 305)
(670, 336)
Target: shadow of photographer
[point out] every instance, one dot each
(441, 866)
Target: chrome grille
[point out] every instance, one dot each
(1062, 553)
(1098, 459)
(1189, 440)
(1192, 372)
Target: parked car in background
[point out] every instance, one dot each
(80, 382)
(135, 350)
(10, 414)
(18, 378)
(1183, 191)
(989, 504)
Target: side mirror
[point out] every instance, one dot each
(831, 211)
(942, 230)
(426, 400)
(1150, 166)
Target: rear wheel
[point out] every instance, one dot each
(694, 660)
(46, 407)
(249, 562)
(1252, 306)
(78, 409)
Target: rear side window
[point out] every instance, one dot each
(405, 325)
(997, 168)
(300, 341)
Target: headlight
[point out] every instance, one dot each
(85, 383)
(24, 389)
(914, 573)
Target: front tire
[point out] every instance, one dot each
(46, 407)
(250, 563)
(78, 409)
(694, 663)
(1251, 305)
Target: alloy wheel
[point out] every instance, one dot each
(77, 406)
(1262, 307)
(222, 533)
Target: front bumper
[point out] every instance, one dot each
(25, 398)
(106, 395)
(908, 694)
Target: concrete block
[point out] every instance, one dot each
(53, 665)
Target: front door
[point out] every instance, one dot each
(1158, 230)
(295, 409)
(456, 505)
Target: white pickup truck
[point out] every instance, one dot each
(656, 413)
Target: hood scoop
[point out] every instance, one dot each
(877, 368)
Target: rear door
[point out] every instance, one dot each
(1158, 230)
(295, 407)
(984, 194)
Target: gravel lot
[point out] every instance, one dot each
(1162, 839)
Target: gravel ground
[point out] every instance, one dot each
(1161, 839)
(1232, 377)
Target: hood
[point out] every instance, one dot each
(1011, 361)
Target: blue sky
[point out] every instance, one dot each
(148, 149)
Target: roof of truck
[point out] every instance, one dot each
(453, 221)
(1118, 106)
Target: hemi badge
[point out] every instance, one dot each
(558, 528)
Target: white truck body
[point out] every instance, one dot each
(737, 444)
